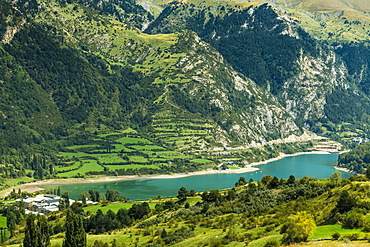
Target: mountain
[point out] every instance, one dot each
(305, 74)
(198, 77)
(334, 20)
(114, 75)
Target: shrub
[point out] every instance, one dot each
(272, 243)
(335, 235)
(352, 236)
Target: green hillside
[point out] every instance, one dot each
(270, 212)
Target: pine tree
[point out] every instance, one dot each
(75, 232)
(36, 234)
(43, 231)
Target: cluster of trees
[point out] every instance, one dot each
(357, 160)
(111, 195)
(100, 222)
(38, 231)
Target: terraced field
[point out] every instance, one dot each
(181, 131)
(119, 151)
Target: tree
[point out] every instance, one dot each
(44, 231)
(11, 222)
(291, 179)
(31, 233)
(346, 202)
(37, 234)
(241, 182)
(298, 228)
(64, 201)
(75, 233)
(335, 178)
(113, 195)
(266, 179)
(138, 211)
(83, 196)
(274, 183)
(182, 193)
(368, 172)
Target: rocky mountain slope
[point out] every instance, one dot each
(244, 74)
(304, 73)
(101, 71)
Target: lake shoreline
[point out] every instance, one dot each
(36, 186)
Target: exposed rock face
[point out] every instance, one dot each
(272, 50)
(252, 113)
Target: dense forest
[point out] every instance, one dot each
(357, 160)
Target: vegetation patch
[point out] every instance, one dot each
(327, 231)
(147, 147)
(113, 206)
(2, 221)
(203, 161)
(133, 140)
(134, 167)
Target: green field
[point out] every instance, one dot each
(202, 161)
(113, 206)
(88, 165)
(133, 140)
(138, 159)
(121, 147)
(124, 167)
(327, 231)
(147, 147)
(75, 165)
(112, 159)
(2, 221)
(110, 134)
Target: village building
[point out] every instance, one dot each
(42, 204)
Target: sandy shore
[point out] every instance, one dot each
(36, 186)
(344, 170)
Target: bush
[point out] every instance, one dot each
(366, 225)
(335, 235)
(272, 243)
(352, 236)
(352, 220)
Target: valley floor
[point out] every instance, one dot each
(36, 186)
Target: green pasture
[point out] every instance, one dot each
(262, 241)
(138, 159)
(201, 161)
(133, 140)
(233, 167)
(16, 181)
(2, 221)
(88, 165)
(158, 159)
(113, 206)
(121, 147)
(327, 231)
(91, 165)
(75, 165)
(125, 167)
(146, 147)
(177, 157)
(168, 153)
(110, 134)
(112, 159)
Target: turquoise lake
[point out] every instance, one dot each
(312, 165)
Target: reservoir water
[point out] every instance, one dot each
(311, 165)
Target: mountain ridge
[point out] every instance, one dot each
(242, 77)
